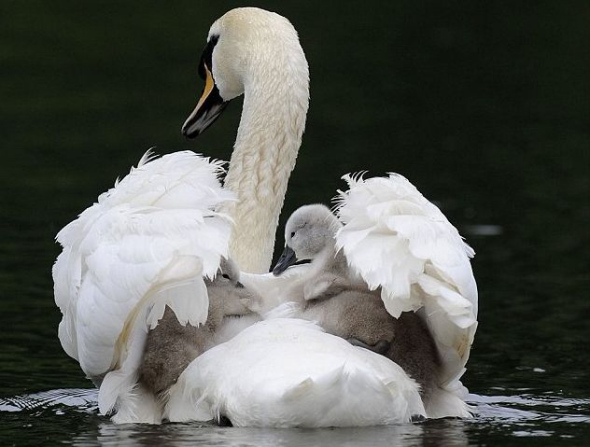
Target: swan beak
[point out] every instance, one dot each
(208, 108)
(286, 260)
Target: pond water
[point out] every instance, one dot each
(485, 108)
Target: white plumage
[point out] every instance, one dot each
(286, 372)
(399, 241)
(149, 241)
(145, 244)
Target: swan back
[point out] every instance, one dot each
(287, 372)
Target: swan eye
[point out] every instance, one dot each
(292, 234)
(207, 57)
(225, 275)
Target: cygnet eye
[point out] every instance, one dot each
(292, 234)
(225, 275)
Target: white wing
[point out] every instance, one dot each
(146, 243)
(399, 241)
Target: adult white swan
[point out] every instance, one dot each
(149, 241)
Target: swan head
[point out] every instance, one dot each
(245, 45)
(309, 231)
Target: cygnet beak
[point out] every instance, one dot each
(287, 259)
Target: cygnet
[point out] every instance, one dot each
(170, 346)
(340, 302)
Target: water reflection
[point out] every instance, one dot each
(80, 404)
(499, 417)
(448, 433)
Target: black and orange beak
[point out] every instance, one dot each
(208, 108)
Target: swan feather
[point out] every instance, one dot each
(286, 372)
(403, 244)
(156, 227)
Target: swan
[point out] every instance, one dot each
(150, 241)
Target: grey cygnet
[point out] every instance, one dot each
(343, 305)
(170, 346)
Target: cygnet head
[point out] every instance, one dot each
(246, 46)
(309, 231)
(226, 293)
(228, 275)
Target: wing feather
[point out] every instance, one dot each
(398, 241)
(155, 234)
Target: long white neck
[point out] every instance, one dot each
(268, 140)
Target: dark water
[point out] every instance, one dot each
(486, 108)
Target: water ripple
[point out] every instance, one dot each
(499, 417)
(526, 407)
(79, 398)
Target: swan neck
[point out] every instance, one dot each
(267, 143)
